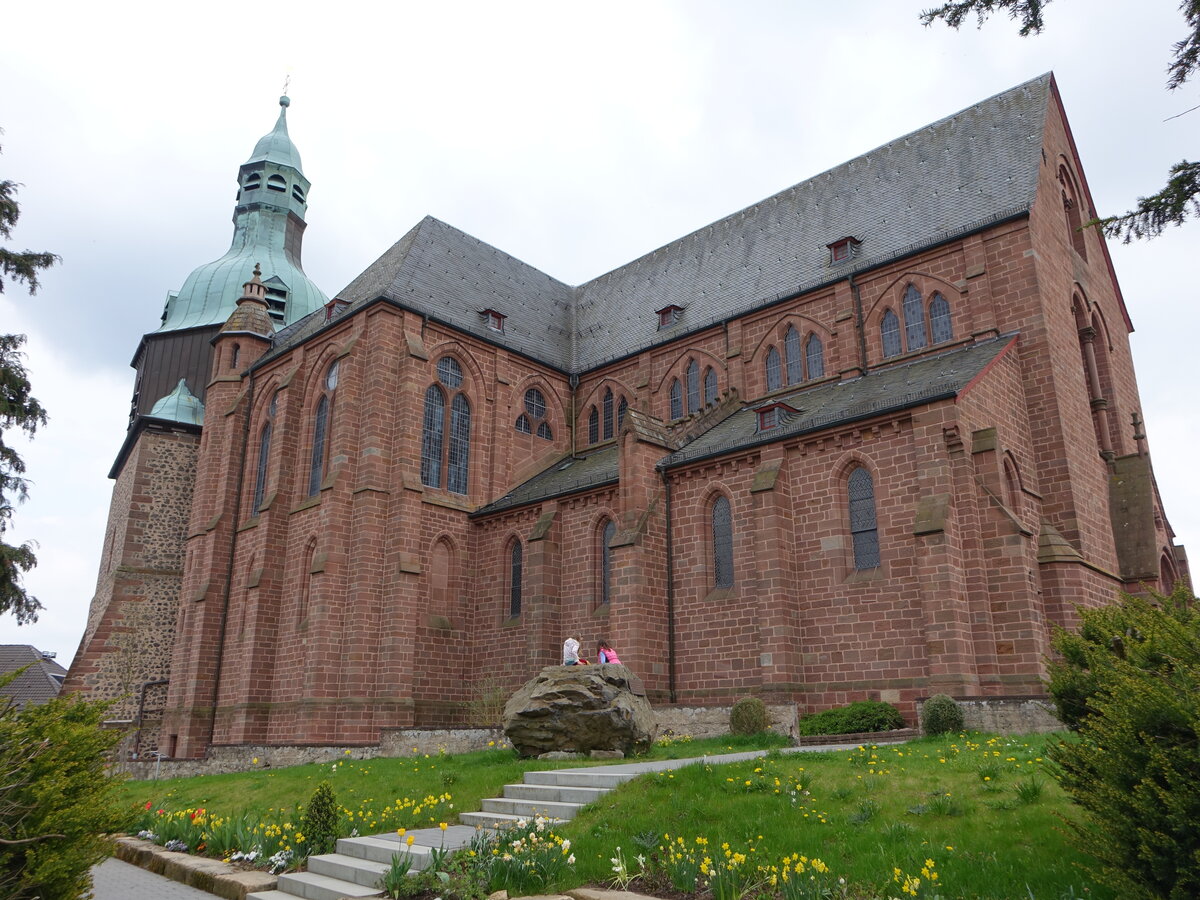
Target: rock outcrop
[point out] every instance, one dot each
(578, 709)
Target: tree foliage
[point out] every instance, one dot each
(18, 409)
(57, 799)
(1180, 199)
(1130, 679)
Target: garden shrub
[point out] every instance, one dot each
(57, 798)
(864, 715)
(941, 715)
(748, 716)
(321, 821)
(1134, 768)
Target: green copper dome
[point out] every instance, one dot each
(181, 405)
(276, 146)
(268, 228)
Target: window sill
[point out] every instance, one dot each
(863, 576)
(601, 611)
(511, 622)
(718, 594)
(306, 503)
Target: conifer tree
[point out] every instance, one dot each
(18, 409)
(1180, 199)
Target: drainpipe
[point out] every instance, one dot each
(859, 324)
(670, 591)
(228, 589)
(573, 384)
(137, 739)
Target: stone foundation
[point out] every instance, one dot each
(1022, 714)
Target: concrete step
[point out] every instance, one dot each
(491, 820)
(380, 849)
(530, 808)
(270, 895)
(311, 886)
(576, 778)
(366, 872)
(553, 793)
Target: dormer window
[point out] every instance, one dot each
(276, 183)
(843, 250)
(333, 307)
(773, 415)
(493, 320)
(669, 315)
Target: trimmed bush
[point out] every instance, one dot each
(941, 715)
(748, 716)
(1134, 768)
(864, 715)
(321, 821)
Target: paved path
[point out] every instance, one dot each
(116, 880)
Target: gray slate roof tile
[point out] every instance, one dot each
(566, 476)
(39, 683)
(947, 179)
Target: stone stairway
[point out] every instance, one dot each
(355, 869)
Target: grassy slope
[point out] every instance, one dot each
(865, 811)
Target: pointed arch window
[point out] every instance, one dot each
(676, 399)
(774, 371)
(889, 333)
(814, 353)
(264, 455)
(514, 579)
(622, 408)
(711, 391)
(791, 352)
(446, 430)
(864, 530)
(940, 326)
(608, 413)
(693, 386)
(320, 440)
(914, 318)
(533, 419)
(604, 557)
(722, 543)
(594, 426)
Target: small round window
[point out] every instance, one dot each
(533, 420)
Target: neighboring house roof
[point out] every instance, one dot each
(834, 404)
(945, 180)
(38, 684)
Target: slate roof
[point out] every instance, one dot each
(828, 405)
(39, 684)
(567, 476)
(947, 179)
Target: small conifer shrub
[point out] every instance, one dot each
(941, 715)
(748, 716)
(862, 716)
(321, 821)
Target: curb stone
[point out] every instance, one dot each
(200, 872)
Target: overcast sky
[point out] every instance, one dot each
(575, 136)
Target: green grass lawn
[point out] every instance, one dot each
(982, 808)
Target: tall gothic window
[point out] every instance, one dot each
(889, 333)
(710, 386)
(514, 580)
(594, 426)
(774, 371)
(446, 430)
(622, 407)
(317, 462)
(914, 319)
(676, 399)
(693, 387)
(814, 353)
(939, 319)
(608, 413)
(264, 456)
(791, 352)
(604, 557)
(864, 529)
(722, 543)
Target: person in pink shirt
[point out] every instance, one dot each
(606, 654)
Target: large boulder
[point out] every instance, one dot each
(578, 709)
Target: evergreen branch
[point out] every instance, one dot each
(1173, 205)
(1027, 12)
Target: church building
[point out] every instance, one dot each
(872, 437)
